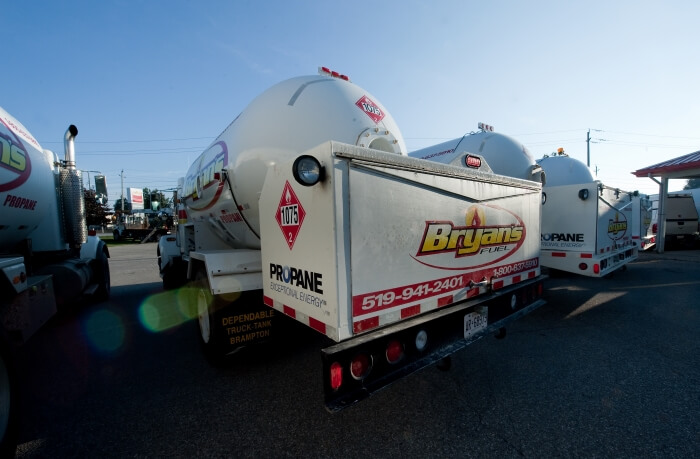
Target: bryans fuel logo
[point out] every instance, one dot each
(618, 227)
(476, 237)
(13, 158)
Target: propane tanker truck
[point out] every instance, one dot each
(587, 227)
(47, 259)
(307, 206)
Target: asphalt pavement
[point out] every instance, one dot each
(607, 368)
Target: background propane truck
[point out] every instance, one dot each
(47, 259)
(308, 207)
(587, 227)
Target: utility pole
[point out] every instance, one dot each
(588, 148)
(122, 176)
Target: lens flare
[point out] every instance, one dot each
(105, 330)
(163, 311)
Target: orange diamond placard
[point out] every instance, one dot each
(290, 215)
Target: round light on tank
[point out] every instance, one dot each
(583, 194)
(307, 170)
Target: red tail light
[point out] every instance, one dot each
(336, 376)
(394, 352)
(360, 366)
(596, 268)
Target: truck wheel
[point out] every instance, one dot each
(208, 315)
(104, 285)
(8, 407)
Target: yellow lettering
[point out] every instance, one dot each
(5, 148)
(471, 241)
(516, 233)
(455, 237)
(436, 237)
(17, 158)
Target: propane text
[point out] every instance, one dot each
(19, 202)
(308, 280)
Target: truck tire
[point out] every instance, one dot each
(211, 334)
(8, 405)
(104, 285)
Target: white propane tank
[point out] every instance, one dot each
(281, 123)
(503, 154)
(565, 170)
(27, 186)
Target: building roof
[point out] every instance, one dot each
(683, 167)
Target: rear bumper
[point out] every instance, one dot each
(445, 331)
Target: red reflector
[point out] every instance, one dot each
(596, 268)
(92, 232)
(360, 366)
(582, 266)
(317, 325)
(472, 161)
(394, 351)
(445, 300)
(336, 376)
(366, 324)
(586, 255)
(289, 311)
(410, 311)
(558, 254)
(540, 289)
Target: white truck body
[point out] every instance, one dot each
(586, 226)
(681, 218)
(436, 236)
(382, 250)
(48, 259)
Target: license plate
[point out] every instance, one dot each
(474, 322)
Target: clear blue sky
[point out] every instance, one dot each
(150, 83)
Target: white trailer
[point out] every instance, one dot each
(306, 206)
(586, 226)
